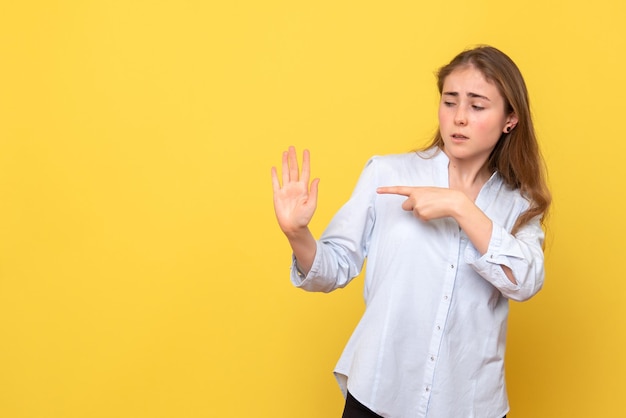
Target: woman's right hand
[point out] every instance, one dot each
(295, 200)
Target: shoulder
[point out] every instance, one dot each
(407, 159)
(385, 167)
(509, 196)
(419, 167)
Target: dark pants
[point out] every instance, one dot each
(355, 409)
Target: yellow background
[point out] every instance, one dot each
(141, 270)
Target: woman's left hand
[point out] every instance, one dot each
(427, 203)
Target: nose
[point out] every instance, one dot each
(460, 117)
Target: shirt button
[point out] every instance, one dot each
(445, 297)
(438, 327)
(451, 266)
(427, 389)
(432, 358)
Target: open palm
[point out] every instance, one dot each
(295, 200)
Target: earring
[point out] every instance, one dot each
(508, 129)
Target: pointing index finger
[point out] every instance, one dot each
(399, 190)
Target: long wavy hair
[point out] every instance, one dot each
(516, 156)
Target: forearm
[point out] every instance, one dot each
(304, 247)
(478, 228)
(474, 222)
(522, 254)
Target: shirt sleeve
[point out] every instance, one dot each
(522, 253)
(342, 248)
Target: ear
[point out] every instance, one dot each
(511, 122)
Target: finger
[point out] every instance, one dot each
(306, 166)
(313, 191)
(400, 190)
(285, 168)
(294, 174)
(275, 182)
(408, 205)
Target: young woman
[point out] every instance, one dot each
(451, 233)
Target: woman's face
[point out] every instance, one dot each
(471, 115)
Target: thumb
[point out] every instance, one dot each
(408, 205)
(313, 191)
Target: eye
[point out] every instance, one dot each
(448, 104)
(476, 107)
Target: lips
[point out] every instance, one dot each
(459, 136)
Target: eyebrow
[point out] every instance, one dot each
(472, 95)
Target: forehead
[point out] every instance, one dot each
(469, 79)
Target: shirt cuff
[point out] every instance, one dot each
(501, 248)
(502, 251)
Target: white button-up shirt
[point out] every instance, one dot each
(431, 341)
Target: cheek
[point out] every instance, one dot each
(443, 115)
(490, 126)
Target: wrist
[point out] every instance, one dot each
(297, 233)
(460, 205)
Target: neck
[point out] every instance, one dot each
(468, 176)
